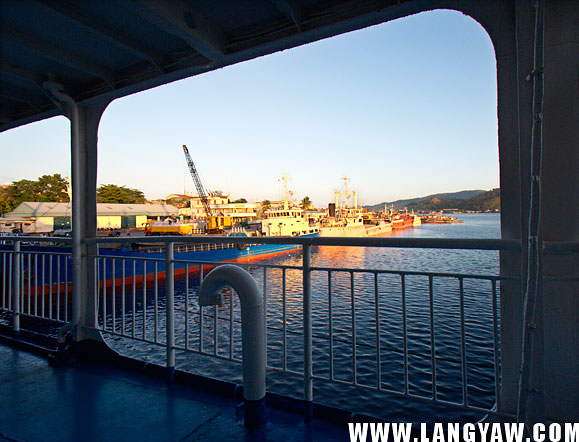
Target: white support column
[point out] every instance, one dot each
(84, 119)
(84, 212)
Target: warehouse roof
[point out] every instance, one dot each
(36, 210)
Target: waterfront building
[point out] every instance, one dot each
(45, 217)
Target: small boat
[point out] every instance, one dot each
(403, 221)
(439, 219)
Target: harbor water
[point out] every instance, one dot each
(375, 357)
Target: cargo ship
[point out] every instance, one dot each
(116, 262)
(400, 221)
(354, 226)
(356, 222)
(343, 220)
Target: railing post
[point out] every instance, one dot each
(307, 323)
(170, 310)
(16, 288)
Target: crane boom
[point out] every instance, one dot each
(200, 189)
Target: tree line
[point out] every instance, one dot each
(485, 202)
(54, 188)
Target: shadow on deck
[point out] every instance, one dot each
(93, 402)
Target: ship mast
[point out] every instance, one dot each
(285, 200)
(346, 194)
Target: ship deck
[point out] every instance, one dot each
(93, 402)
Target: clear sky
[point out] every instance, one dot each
(405, 109)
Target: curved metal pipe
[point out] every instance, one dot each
(252, 332)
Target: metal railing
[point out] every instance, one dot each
(420, 335)
(36, 281)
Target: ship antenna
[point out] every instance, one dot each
(285, 201)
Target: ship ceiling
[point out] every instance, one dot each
(109, 49)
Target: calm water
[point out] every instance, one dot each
(333, 334)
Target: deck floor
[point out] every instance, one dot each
(39, 402)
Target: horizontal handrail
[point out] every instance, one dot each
(421, 243)
(51, 239)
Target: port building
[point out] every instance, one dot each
(45, 217)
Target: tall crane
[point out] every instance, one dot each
(200, 189)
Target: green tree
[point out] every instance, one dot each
(306, 203)
(111, 193)
(48, 188)
(240, 200)
(53, 188)
(5, 205)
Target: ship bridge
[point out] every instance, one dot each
(74, 58)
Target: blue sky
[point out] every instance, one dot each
(405, 109)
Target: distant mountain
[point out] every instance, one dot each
(401, 204)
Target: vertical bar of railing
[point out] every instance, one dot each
(8, 261)
(404, 331)
(58, 288)
(231, 325)
(144, 299)
(353, 312)
(16, 288)
(10, 280)
(496, 345)
(97, 284)
(134, 298)
(462, 343)
(22, 283)
(330, 325)
(4, 303)
(123, 294)
(113, 296)
(36, 285)
(215, 327)
(377, 313)
(29, 282)
(104, 279)
(42, 307)
(265, 310)
(307, 324)
(201, 336)
(432, 336)
(66, 304)
(156, 307)
(3, 280)
(170, 312)
(284, 318)
(186, 306)
(50, 287)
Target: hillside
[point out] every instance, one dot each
(475, 200)
(400, 204)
